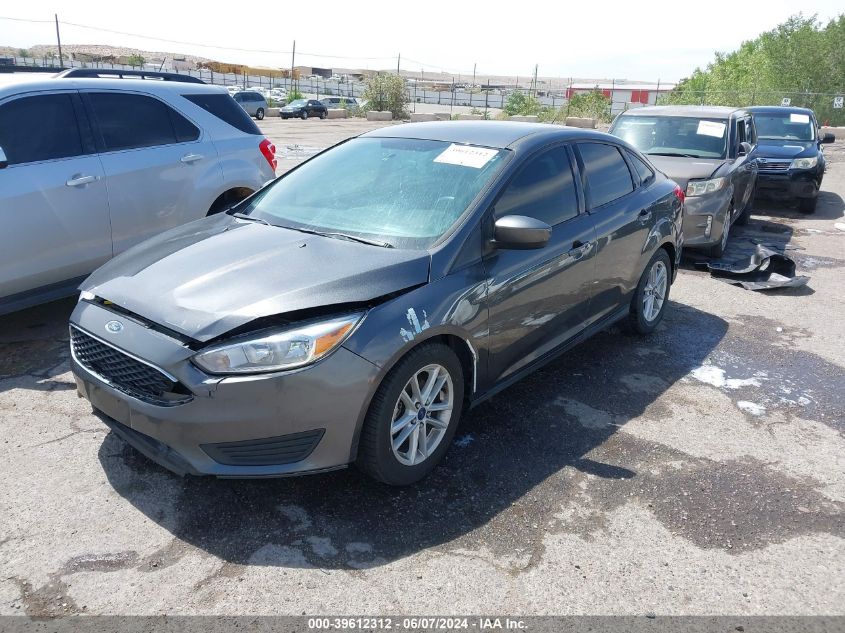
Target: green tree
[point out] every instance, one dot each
(801, 59)
(593, 105)
(519, 103)
(387, 92)
(136, 60)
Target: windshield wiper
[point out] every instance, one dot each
(244, 216)
(673, 154)
(343, 236)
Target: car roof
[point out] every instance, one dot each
(12, 83)
(778, 110)
(710, 112)
(496, 134)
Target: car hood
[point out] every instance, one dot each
(784, 149)
(291, 108)
(208, 277)
(682, 170)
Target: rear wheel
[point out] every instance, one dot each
(807, 205)
(413, 416)
(649, 302)
(324, 114)
(259, 114)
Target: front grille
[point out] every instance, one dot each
(125, 373)
(773, 166)
(269, 451)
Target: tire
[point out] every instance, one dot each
(304, 115)
(259, 114)
(745, 215)
(643, 317)
(717, 250)
(807, 205)
(387, 456)
(324, 115)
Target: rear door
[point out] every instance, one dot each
(744, 167)
(53, 206)
(538, 299)
(622, 220)
(161, 170)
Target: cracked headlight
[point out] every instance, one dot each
(701, 187)
(804, 163)
(275, 351)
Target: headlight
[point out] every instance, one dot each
(276, 351)
(700, 187)
(804, 163)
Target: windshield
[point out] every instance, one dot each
(297, 102)
(690, 137)
(787, 126)
(403, 192)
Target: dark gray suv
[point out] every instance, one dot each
(709, 152)
(350, 311)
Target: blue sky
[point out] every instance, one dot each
(626, 40)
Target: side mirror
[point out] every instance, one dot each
(745, 148)
(4, 162)
(520, 232)
(828, 138)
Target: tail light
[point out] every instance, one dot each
(679, 194)
(268, 150)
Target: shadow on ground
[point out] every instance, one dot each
(526, 436)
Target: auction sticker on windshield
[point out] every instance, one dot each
(799, 118)
(711, 128)
(466, 156)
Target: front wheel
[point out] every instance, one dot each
(717, 250)
(649, 302)
(259, 114)
(745, 214)
(304, 115)
(807, 205)
(413, 416)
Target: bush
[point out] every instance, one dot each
(522, 104)
(294, 94)
(388, 93)
(593, 105)
(136, 60)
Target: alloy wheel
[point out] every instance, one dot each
(654, 293)
(422, 414)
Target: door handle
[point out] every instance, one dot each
(645, 215)
(78, 181)
(191, 158)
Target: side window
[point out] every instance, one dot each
(607, 175)
(740, 132)
(185, 130)
(129, 121)
(226, 109)
(544, 188)
(643, 171)
(42, 127)
(750, 132)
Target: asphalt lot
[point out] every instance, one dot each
(697, 471)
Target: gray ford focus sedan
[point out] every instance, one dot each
(350, 311)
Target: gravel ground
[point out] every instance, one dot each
(697, 471)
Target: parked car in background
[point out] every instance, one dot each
(790, 160)
(340, 102)
(278, 94)
(314, 326)
(253, 102)
(304, 108)
(91, 166)
(710, 152)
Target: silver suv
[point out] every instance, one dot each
(90, 166)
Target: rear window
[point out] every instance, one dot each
(226, 109)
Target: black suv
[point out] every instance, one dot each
(790, 160)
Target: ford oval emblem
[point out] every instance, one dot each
(115, 327)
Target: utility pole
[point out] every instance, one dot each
(535, 80)
(292, 61)
(59, 42)
(473, 74)
(398, 61)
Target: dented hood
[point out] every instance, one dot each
(211, 276)
(682, 170)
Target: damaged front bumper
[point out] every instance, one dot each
(260, 425)
(705, 217)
